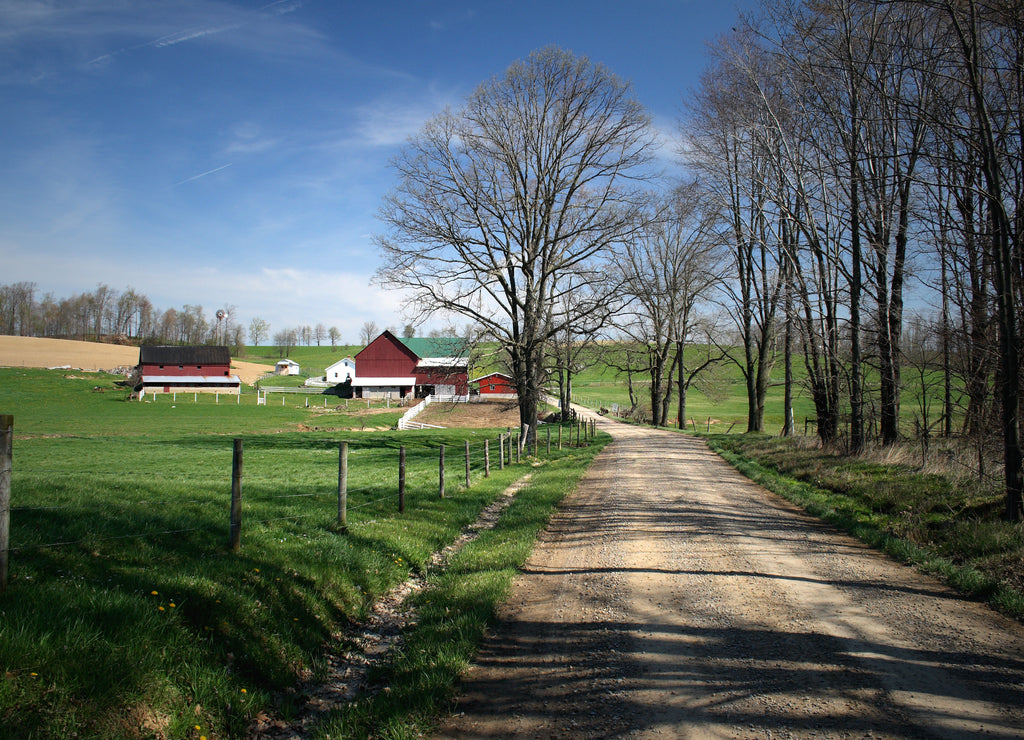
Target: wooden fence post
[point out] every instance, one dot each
(401, 479)
(487, 458)
(536, 440)
(501, 452)
(559, 435)
(236, 496)
(343, 486)
(467, 463)
(6, 465)
(548, 452)
(440, 472)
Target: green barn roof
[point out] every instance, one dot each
(436, 346)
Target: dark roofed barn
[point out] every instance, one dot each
(200, 369)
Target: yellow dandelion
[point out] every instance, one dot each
(255, 570)
(198, 727)
(172, 605)
(244, 691)
(160, 608)
(34, 674)
(154, 593)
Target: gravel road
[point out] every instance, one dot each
(671, 597)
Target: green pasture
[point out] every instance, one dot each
(127, 615)
(718, 396)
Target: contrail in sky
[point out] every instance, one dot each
(202, 174)
(277, 7)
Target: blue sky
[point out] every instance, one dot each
(213, 153)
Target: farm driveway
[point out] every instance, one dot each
(671, 597)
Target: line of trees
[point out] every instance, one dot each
(106, 314)
(128, 316)
(858, 148)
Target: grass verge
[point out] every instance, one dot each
(943, 525)
(455, 610)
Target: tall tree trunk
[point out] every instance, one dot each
(680, 367)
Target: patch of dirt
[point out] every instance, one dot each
(483, 414)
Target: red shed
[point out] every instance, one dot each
(413, 366)
(496, 385)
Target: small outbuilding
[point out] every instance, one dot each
(286, 367)
(495, 385)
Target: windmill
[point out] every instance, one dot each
(221, 315)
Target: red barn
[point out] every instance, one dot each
(169, 369)
(496, 385)
(415, 367)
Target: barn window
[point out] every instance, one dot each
(492, 386)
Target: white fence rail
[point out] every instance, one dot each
(406, 422)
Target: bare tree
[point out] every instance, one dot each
(368, 332)
(335, 336)
(575, 347)
(16, 308)
(533, 178)
(726, 147)
(664, 273)
(285, 340)
(319, 333)
(259, 330)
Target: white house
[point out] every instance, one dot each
(341, 371)
(286, 367)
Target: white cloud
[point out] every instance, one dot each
(391, 120)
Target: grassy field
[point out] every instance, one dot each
(718, 400)
(126, 614)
